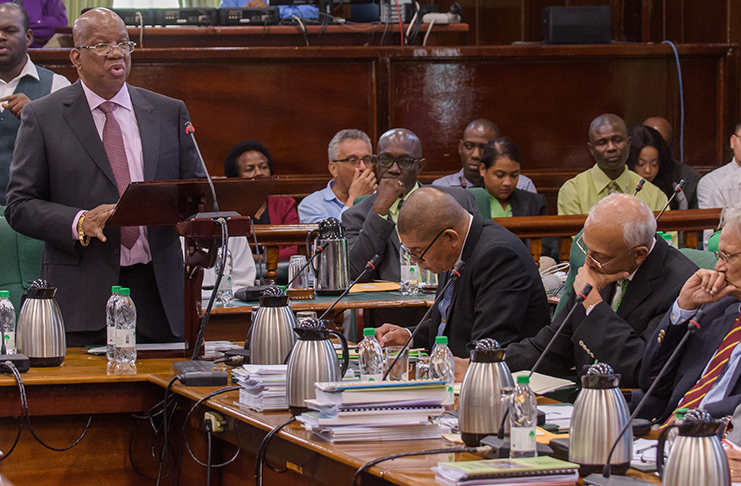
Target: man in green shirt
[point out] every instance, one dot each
(609, 145)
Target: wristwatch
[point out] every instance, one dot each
(84, 240)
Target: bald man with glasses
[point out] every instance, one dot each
(635, 278)
(371, 224)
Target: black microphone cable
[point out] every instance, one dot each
(262, 452)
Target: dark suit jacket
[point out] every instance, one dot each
(499, 294)
(369, 234)
(716, 321)
(616, 338)
(60, 167)
(526, 203)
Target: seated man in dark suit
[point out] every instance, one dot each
(499, 293)
(635, 277)
(371, 224)
(706, 372)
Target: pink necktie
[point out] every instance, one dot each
(114, 148)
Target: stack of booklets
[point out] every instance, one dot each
(262, 387)
(388, 410)
(522, 471)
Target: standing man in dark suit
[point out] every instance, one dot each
(77, 151)
(706, 373)
(635, 278)
(371, 224)
(499, 293)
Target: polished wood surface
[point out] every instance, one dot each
(295, 100)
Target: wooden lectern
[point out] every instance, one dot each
(181, 203)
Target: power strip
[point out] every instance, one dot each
(441, 18)
(20, 361)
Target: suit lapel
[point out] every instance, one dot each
(646, 279)
(80, 120)
(149, 131)
(477, 225)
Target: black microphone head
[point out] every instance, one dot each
(189, 127)
(373, 263)
(580, 296)
(680, 186)
(457, 270)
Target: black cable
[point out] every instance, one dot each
(370, 464)
(262, 452)
(163, 454)
(207, 425)
(24, 411)
(183, 438)
(15, 442)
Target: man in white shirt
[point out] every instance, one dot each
(710, 183)
(20, 81)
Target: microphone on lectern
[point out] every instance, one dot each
(455, 274)
(190, 130)
(604, 479)
(639, 186)
(677, 190)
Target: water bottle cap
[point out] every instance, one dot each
(523, 379)
(125, 291)
(115, 288)
(369, 331)
(4, 293)
(441, 340)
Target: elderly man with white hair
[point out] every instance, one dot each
(706, 373)
(635, 278)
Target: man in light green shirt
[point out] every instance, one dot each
(609, 145)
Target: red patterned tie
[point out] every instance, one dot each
(693, 397)
(114, 148)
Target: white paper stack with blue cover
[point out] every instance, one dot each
(262, 387)
(372, 410)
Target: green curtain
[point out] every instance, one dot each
(75, 7)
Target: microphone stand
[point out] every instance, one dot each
(455, 273)
(371, 265)
(639, 186)
(604, 479)
(677, 190)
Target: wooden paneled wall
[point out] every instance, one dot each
(543, 97)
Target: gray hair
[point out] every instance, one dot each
(639, 226)
(348, 134)
(731, 216)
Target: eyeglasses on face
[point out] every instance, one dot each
(353, 160)
(599, 264)
(105, 49)
(721, 255)
(404, 163)
(421, 256)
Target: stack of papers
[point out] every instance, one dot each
(263, 387)
(389, 410)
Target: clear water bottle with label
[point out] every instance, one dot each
(125, 315)
(523, 417)
(409, 272)
(7, 321)
(370, 356)
(224, 294)
(110, 320)
(442, 366)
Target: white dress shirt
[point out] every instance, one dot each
(7, 89)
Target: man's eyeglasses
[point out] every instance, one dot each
(353, 160)
(721, 255)
(421, 256)
(600, 265)
(404, 163)
(105, 49)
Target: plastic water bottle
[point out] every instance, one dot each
(523, 416)
(673, 433)
(370, 356)
(442, 366)
(7, 321)
(125, 314)
(224, 294)
(110, 320)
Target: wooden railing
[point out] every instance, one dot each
(689, 222)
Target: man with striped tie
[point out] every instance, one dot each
(706, 372)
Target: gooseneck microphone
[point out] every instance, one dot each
(604, 479)
(677, 190)
(455, 274)
(190, 130)
(317, 251)
(371, 265)
(639, 186)
(580, 297)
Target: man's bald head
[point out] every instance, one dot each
(626, 216)
(427, 211)
(482, 127)
(400, 139)
(101, 18)
(662, 126)
(605, 121)
(609, 144)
